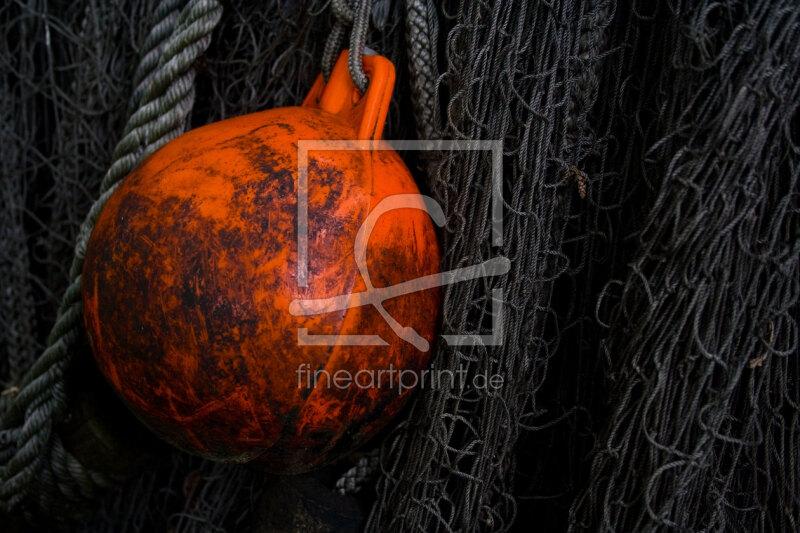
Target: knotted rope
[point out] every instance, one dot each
(31, 453)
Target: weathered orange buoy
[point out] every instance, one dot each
(192, 267)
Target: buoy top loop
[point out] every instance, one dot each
(340, 96)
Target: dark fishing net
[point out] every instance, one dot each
(650, 186)
(691, 273)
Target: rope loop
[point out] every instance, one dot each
(353, 13)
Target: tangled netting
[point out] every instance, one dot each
(651, 159)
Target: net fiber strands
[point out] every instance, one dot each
(451, 466)
(34, 460)
(651, 203)
(673, 398)
(701, 343)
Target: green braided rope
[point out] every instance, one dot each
(30, 451)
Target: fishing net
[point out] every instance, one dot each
(651, 214)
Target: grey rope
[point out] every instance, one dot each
(332, 47)
(366, 468)
(357, 38)
(343, 10)
(29, 448)
(421, 32)
(356, 14)
(592, 40)
(421, 38)
(168, 98)
(167, 15)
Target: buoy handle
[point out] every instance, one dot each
(367, 112)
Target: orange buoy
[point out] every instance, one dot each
(192, 301)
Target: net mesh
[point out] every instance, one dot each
(650, 185)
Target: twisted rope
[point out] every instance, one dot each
(356, 14)
(167, 15)
(366, 468)
(332, 47)
(421, 38)
(29, 448)
(358, 37)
